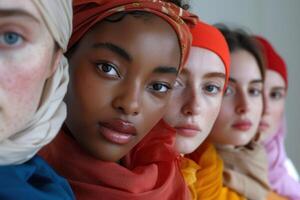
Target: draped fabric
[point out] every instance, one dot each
(89, 12)
(33, 180)
(202, 171)
(46, 122)
(149, 171)
(246, 170)
(280, 180)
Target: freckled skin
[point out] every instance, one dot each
(192, 102)
(94, 96)
(24, 68)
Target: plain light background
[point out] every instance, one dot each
(279, 22)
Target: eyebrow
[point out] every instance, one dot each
(278, 88)
(251, 82)
(166, 70)
(114, 48)
(215, 75)
(17, 12)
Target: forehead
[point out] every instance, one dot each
(202, 61)
(244, 67)
(18, 8)
(274, 79)
(153, 40)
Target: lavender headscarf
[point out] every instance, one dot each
(280, 180)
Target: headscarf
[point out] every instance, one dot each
(23, 145)
(285, 185)
(208, 37)
(89, 12)
(150, 171)
(273, 59)
(203, 173)
(203, 168)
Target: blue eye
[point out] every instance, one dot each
(276, 95)
(108, 69)
(160, 87)
(11, 39)
(212, 89)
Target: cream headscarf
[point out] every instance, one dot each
(22, 146)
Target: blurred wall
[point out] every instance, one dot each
(279, 22)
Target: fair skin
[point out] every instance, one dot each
(274, 99)
(242, 105)
(23, 36)
(196, 99)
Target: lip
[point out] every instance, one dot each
(263, 126)
(188, 130)
(117, 131)
(242, 125)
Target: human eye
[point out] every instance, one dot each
(11, 39)
(178, 83)
(160, 87)
(276, 95)
(108, 69)
(229, 91)
(255, 92)
(212, 89)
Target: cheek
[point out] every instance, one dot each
(173, 110)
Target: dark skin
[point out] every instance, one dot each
(120, 71)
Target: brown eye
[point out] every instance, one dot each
(108, 69)
(276, 95)
(160, 87)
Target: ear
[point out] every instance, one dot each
(57, 55)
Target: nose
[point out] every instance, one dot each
(192, 104)
(266, 108)
(242, 105)
(127, 102)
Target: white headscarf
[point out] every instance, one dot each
(44, 126)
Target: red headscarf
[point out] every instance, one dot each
(150, 171)
(89, 12)
(209, 37)
(273, 60)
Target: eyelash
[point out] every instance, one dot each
(206, 88)
(110, 66)
(166, 85)
(252, 90)
(276, 95)
(4, 35)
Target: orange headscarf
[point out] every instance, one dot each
(89, 12)
(203, 168)
(208, 37)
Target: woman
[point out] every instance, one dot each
(234, 133)
(196, 101)
(119, 89)
(272, 125)
(33, 82)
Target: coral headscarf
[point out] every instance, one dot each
(279, 178)
(150, 171)
(89, 12)
(22, 146)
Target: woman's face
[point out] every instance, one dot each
(27, 59)
(274, 99)
(242, 104)
(120, 83)
(196, 99)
